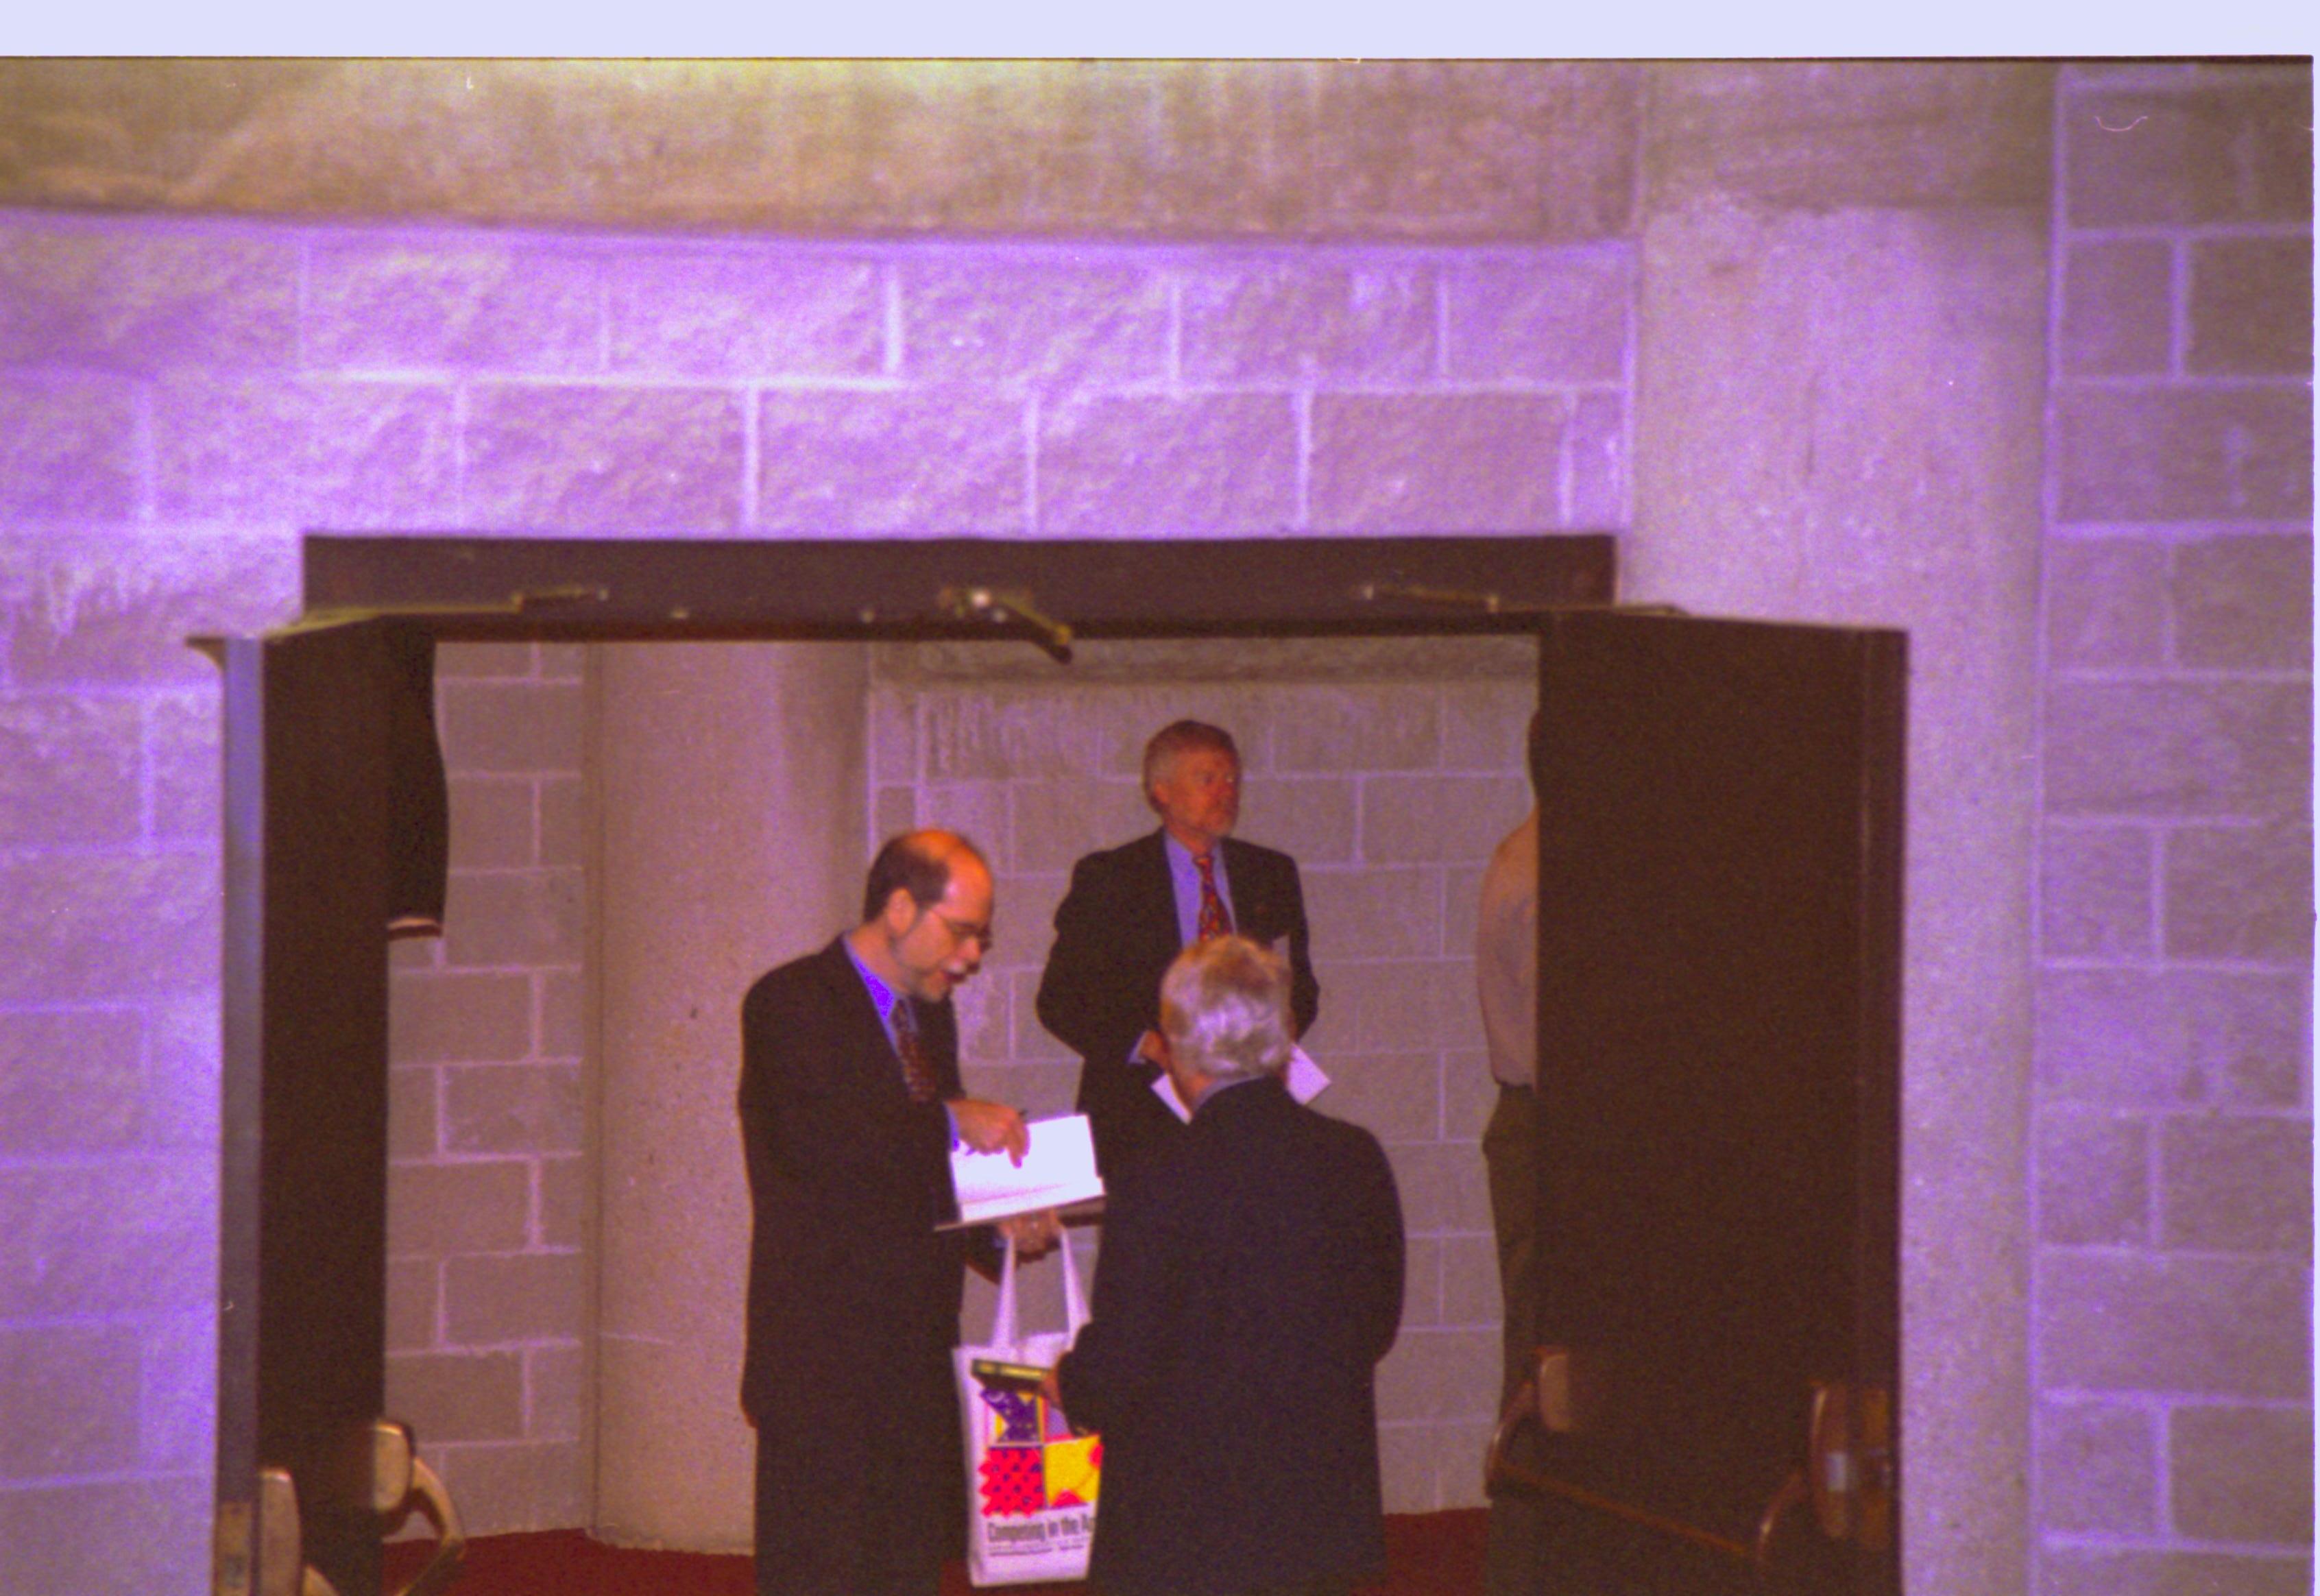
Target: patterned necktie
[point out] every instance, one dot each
(917, 1069)
(1216, 920)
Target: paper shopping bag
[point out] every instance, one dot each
(1030, 1483)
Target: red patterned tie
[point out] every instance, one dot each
(917, 1069)
(1216, 920)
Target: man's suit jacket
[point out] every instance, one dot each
(854, 1295)
(1115, 935)
(1252, 1279)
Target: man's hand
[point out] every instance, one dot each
(1033, 1234)
(991, 1128)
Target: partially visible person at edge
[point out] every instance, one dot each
(1505, 974)
(1130, 910)
(1251, 1281)
(850, 1104)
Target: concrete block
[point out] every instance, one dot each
(117, 610)
(513, 1108)
(1405, 1006)
(71, 1081)
(2225, 152)
(1560, 315)
(2098, 1468)
(2244, 603)
(1293, 320)
(2177, 1038)
(589, 459)
(85, 928)
(129, 300)
(1120, 466)
(1309, 817)
(1031, 1044)
(1486, 725)
(69, 446)
(1434, 1374)
(502, 728)
(434, 1211)
(720, 312)
(2117, 307)
(1438, 463)
(555, 1391)
(1026, 918)
(893, 734)
(513, 917)
(72, 1400)
(104, 1535)
(953, 460)
(985, 1010)
(2094, 892)
(435, 305)
(459, 662)
(1455, 819)
(1120, 721)
(71, 770)
(414, 1288)
(1461, 908)
(1000, 736)
(1422, 1284)
(2214, 1327)
(999, 318)
(413, 1128)
(564, 833)
(2178, 750)
(2242, 893)
(2106, 603)
(2251, 307)
(2183, 453)
(1376, 913)
(1397, 1097)
(1385, 727)
(1595, 490)
(1059, 819)
(492, 822)
(184, 768)
(2094, 1185)
(520, 1486)
(183, 1041)
(1444, 1191)
(2236, 1183)
(456, 1396)
(2094, 1571)
(1406, 1464)
(2241, 1474)
(125, 1236)
(1461, 1444)
(458, 1018)
(566, 1195)
(177, 1402)
(563, 662)
(977, 810)
(310, 450)
(564, 1020)
(491, 1301)
(1040, 1090)
(1469, 1283)
(1469, 1093)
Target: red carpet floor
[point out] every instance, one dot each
(1427, 1555)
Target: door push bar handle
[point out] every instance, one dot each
(400, 1484)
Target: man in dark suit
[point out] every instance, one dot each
(1251, 1281)
(1132, 909)
(850, 1103)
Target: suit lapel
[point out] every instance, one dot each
(1159, 896)
(866, 1044)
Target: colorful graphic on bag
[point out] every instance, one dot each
(1034, 1463)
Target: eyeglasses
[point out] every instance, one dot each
(960, 930)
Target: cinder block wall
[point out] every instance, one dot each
(2172, 1155)
(490, 1186)
(1390, 788)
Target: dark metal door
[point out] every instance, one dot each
(309, 869)
(1719, 958)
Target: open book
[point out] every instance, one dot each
(1059, 1168)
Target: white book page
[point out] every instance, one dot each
(1058, 1169)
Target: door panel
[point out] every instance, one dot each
(1719, 950)
(308, 791)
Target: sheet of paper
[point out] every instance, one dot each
(1303, 1077)
(1059, 1168)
